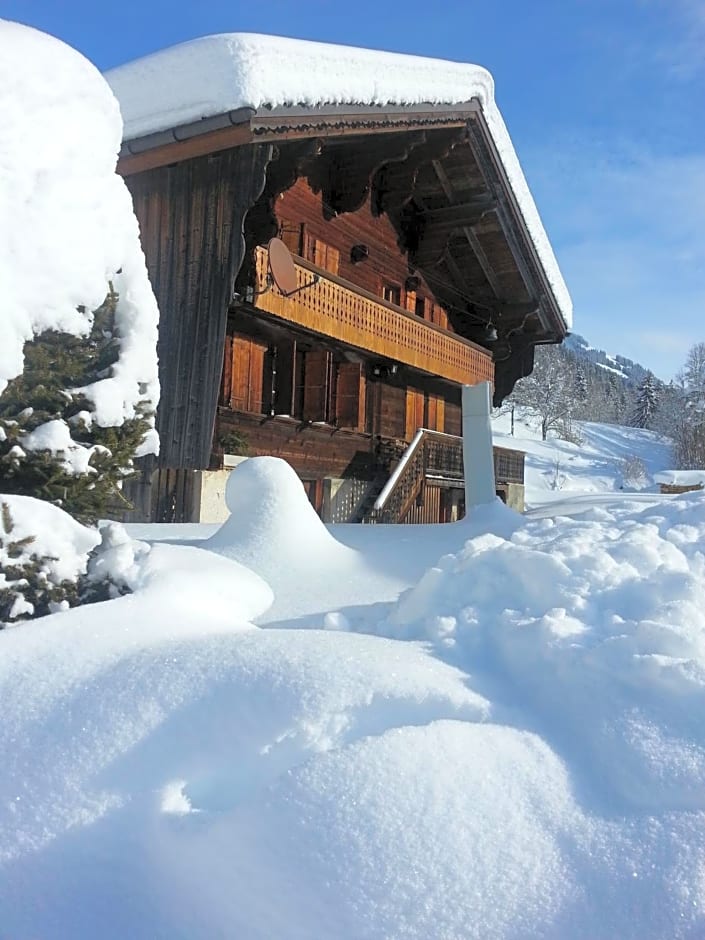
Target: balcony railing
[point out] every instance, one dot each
(338, 309)
(433, 457)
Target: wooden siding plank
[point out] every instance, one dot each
(192, 217)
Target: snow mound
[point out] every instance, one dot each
(394, 833)
(73, 229)
(602, 613)
(56, 536)
(160, 736)
(216, 74)
(274, 530)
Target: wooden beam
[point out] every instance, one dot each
(470, 235)
(483, 260)
(459, 214)
(179, 150)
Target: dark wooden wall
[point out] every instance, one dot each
(385, 263)
(313, 451)
(191, 219)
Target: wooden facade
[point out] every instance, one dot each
(408, 253)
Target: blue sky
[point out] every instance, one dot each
(604, 99)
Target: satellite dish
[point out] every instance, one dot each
(281, 267)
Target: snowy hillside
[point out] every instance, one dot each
(487, 729)
(607, 460)
(632, 373)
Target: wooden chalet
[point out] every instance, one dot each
(417, 274)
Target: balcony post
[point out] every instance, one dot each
(478, 462)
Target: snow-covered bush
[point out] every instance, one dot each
(49, 562)
(78, 321)
(43, 555)
(633, 471)
(50, 445)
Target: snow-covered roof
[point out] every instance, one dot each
(681, 477)
(214, 75)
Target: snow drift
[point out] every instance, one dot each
(520, 756)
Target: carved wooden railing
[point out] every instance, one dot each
(435, 456)
(337, 308)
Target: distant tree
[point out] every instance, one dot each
(580, 382)
(681, 413)
(646, 405)
(548, 393)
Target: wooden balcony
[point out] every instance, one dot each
(336, 308)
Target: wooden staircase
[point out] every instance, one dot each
(432, 458)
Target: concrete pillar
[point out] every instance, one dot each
(477, 445)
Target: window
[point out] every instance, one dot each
(420, 307)
(392, 294)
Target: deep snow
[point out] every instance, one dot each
(488, 729)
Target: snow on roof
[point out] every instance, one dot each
(70, 225)
(681, 477)
(216, 74)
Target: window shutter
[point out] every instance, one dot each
(292, 234)
(247, 375)
(350, 396)
(316, 370)
(414, 412)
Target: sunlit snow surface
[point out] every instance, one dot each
(491, 729)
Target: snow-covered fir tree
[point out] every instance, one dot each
(646, 405)
(51, 447)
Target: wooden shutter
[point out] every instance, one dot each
(414, 412)
(316, 370)
(350, 396)
(247, 375)
(453, 423)
(323, 255)
(292, 234)
(440, 414)
(239, 390)
(439, 316)
(432, 417)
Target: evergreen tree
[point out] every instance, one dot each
(28, 585)
(688, 429)
(646, 402)
(83, 471)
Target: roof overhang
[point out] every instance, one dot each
(484, 251)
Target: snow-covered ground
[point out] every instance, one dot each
(487, 729)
